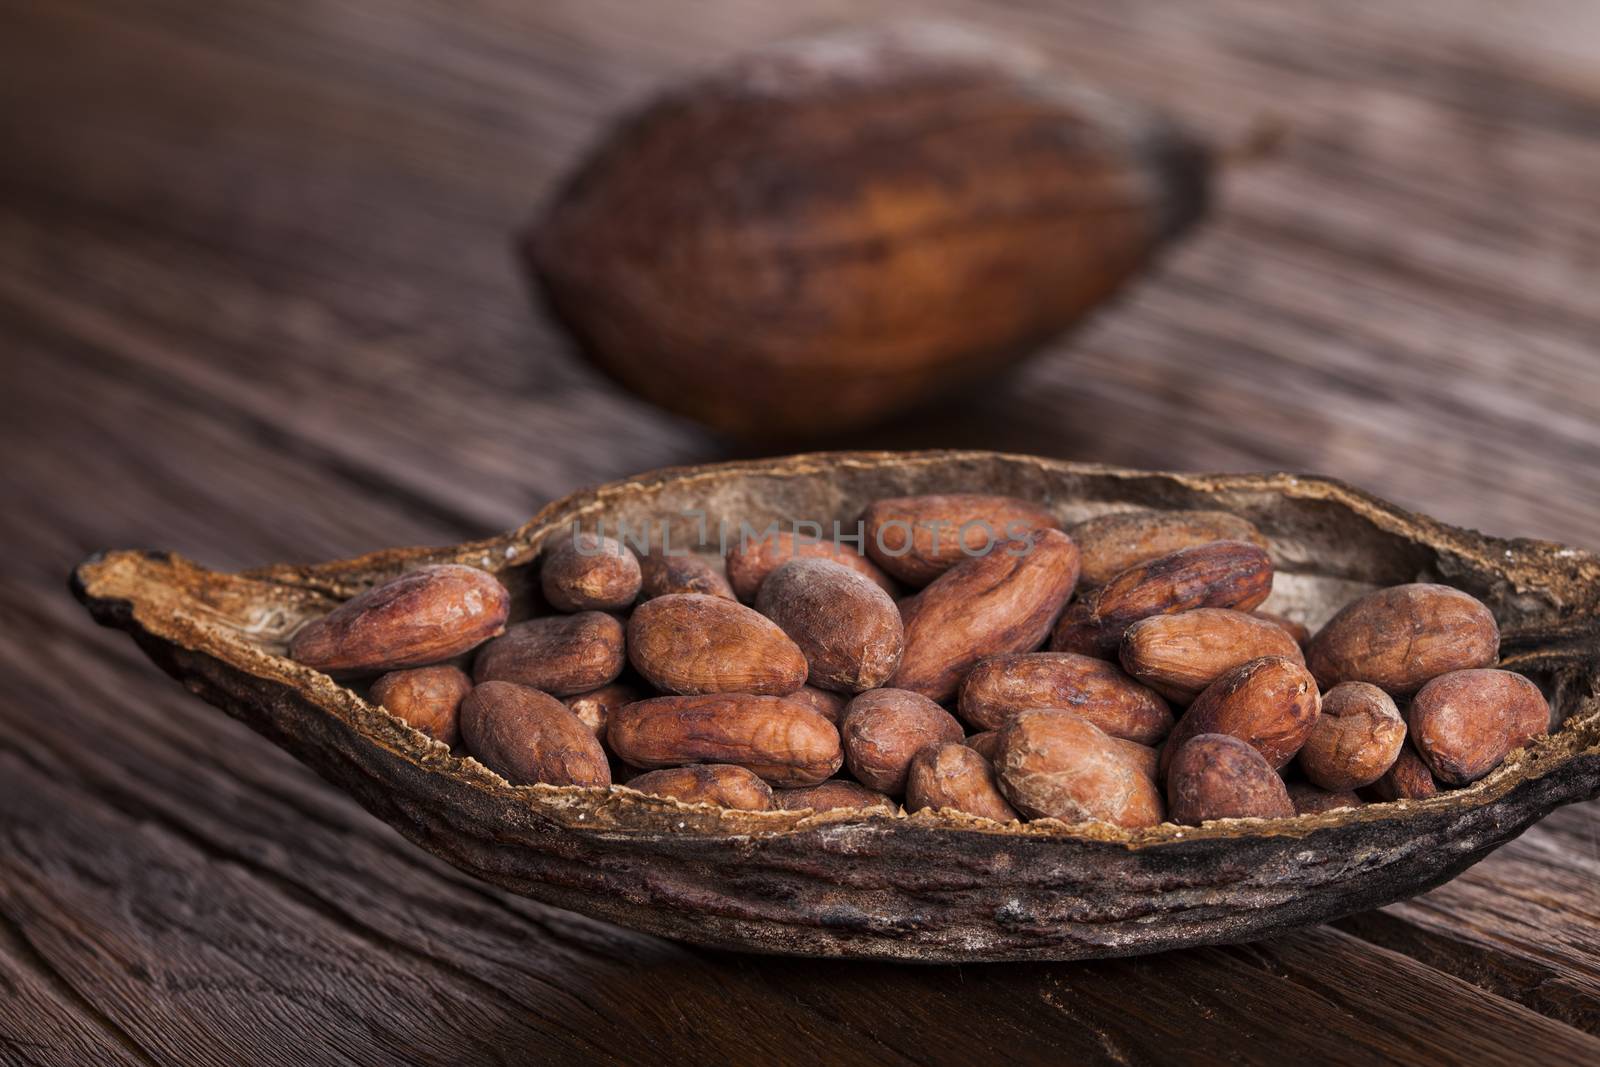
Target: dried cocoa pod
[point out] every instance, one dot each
(1310, 800)
(1296, 630)
(1465, 723)
(847, 627)
(1408, 779)
(1057, 765)
(1000, 687)
(1357, 737)
(1219, 574)
(784, 742)
(988, 606)
(832, 794)
(726, 253)
(1270, 704)
(422, 617)
(952, 775)
(722, 784)
(1180, 654)
(918, 538)
(587, 572)
(985, 744)
(427, 698)
(594, 707)
(1400, 637)
(691, 643)
(1216, 776)
(661, 574)
(557, 654)
(829, 705)
(1112, 543)
(884, 728)
(750, 560)
(527, 736)
(1079, 633)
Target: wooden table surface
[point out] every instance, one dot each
(257, 304)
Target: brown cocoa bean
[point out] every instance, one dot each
(884, 728)
(556, 654)
(1270, 704)
(421, 617)
(527, 736)
(587, 572)
(751, 558)
(832, 794)
(1057, 765)
(1357, 737)
(987, 606)
(782, 741)
(1178, 655)
(661, 575)
(1400, 637)
(1219, 574)
(427, 698)
(722, 784)
(952, 775)
(985, 744)
(1112, 543)
(1000, 687)
(1217, 776)
(1408, 779)
(1465, 723)
(1310, 800)
(829, 705)
(918, 538)
(848, 628)
(594, 707)
(1145, 757)
(1296, 630)
(689, 643)
(1079, 633)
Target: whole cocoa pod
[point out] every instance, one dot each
(707, 783)
(1178, 655)
(747, 252)
(1311, 800)
(783, 742)
(918, 538)
(1357, 737)
(1215, 776)
(691, 643)
(587, 572)
(1057, 765)
(952, 775)
(1112, 543)
(751, 558)
(427, 698)
(594, 707)
(661, 574)
(1408, 779)
(847, 627)
(421, 617)
(884, 728)
(1270, 704)
(1219, 574)
(1465, 723)
(982, 607)
(527, 736)
(556, 654)
(1000, 687)
(1400, 637)
(832, 794)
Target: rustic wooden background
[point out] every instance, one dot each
(257, 304)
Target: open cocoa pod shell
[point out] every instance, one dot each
(930, 886)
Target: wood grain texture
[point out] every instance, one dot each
(257, 303)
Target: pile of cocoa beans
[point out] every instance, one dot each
(805, 673)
